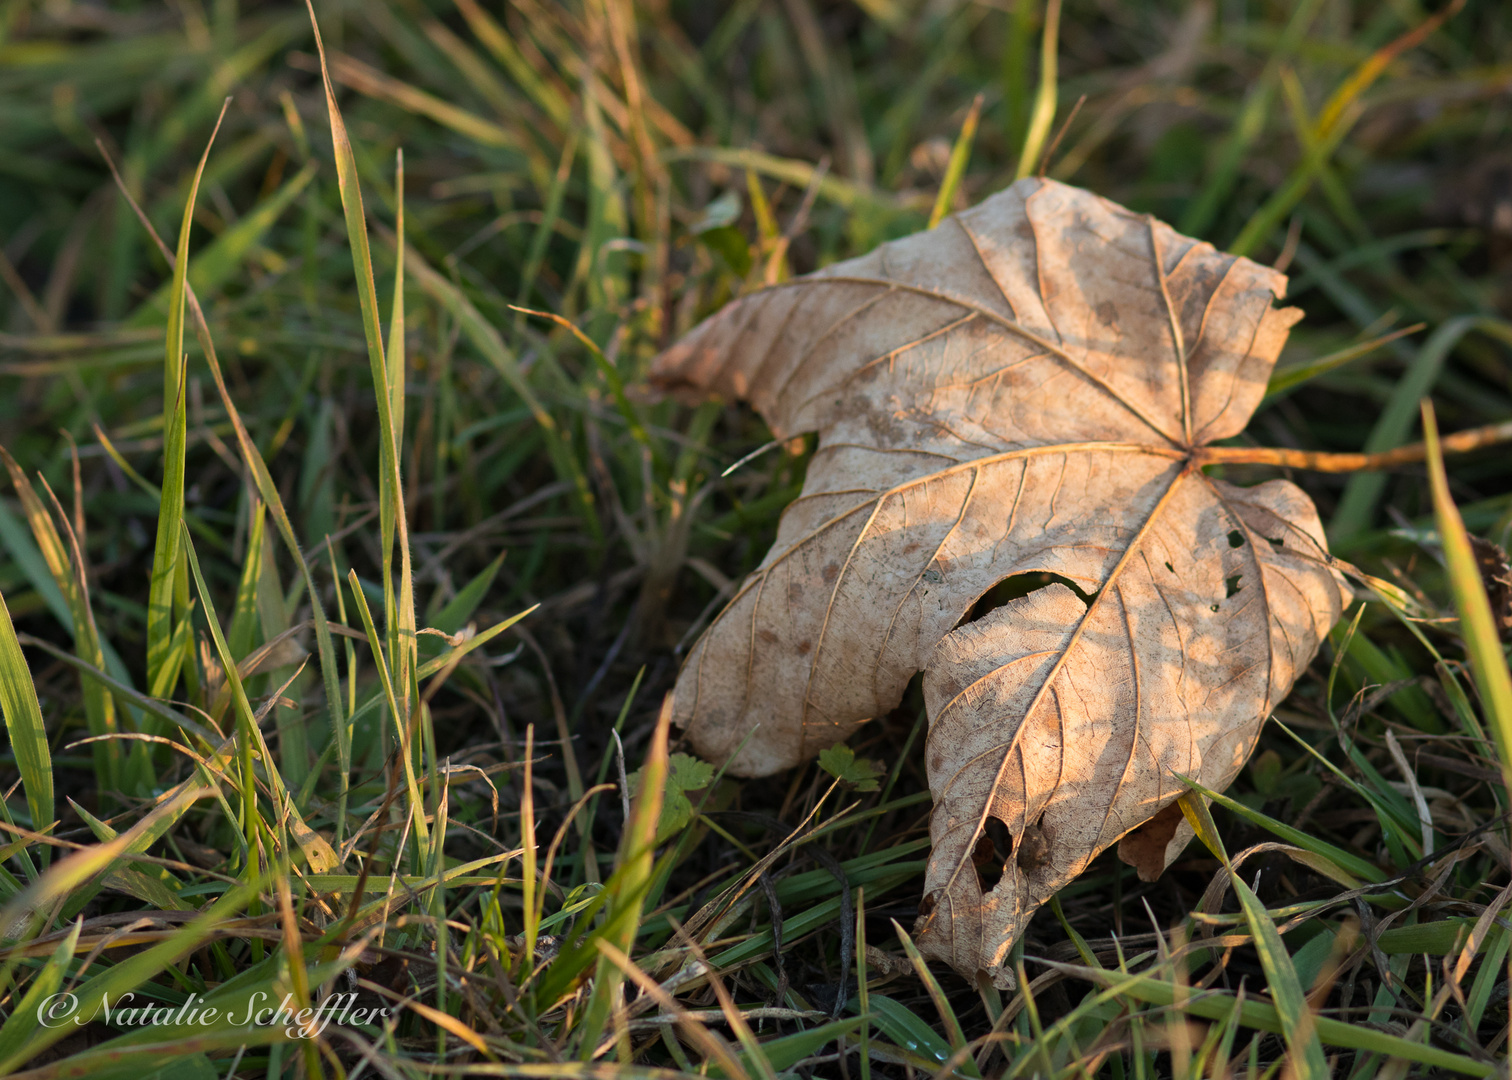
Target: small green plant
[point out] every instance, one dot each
(858, 774)
(685, 775)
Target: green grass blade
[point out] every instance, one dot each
(960, 154)
(163, 583)
(170, 808)
(947, 1015)
(863, 991)
(1491, 971)
(401, 732)
(391, 513)
(450, 618)
(1488, 663)
(1294, 375)
(498, 42)
(130, 974)
(221, 259)
(785, 1051)
(32, 564)
(550, 216)
(65, 563)
(1333, 123)
(1285, 988)
(1042, 115)
(1249, 126)
(1363, 492)
(1265, 220)
(388, 380)
(1343, 860)
(905, 1028)
(357, 234)
(244, 616)
(23, 723)
(34, 1003)
(1297, 1020)
(611, 376)
(627, 886)
(318, 852)
(1262, 1016)
(399, 608)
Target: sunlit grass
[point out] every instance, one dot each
(324, 676)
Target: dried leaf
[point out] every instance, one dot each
(1013, 406)
(1496, 575)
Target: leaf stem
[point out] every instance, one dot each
(1460, 442)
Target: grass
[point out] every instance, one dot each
(324, 677)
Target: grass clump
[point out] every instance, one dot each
(327, 678)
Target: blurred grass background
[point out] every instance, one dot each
(628, 167)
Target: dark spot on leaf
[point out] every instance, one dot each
(1034, 847)
(767, 636)
(1107, 313)
(1236, 538)
(805, 646)
(1145, 847)
(831, 572)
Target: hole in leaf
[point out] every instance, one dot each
(1002, 839)
(1214, 607)
(988, 870)
(1171, 568)
(1232, 585)
(1277, 544)
(1019, 585)
(990, 856)
(1236, 538)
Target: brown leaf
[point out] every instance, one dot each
(1496, 575)
(1024, 390)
